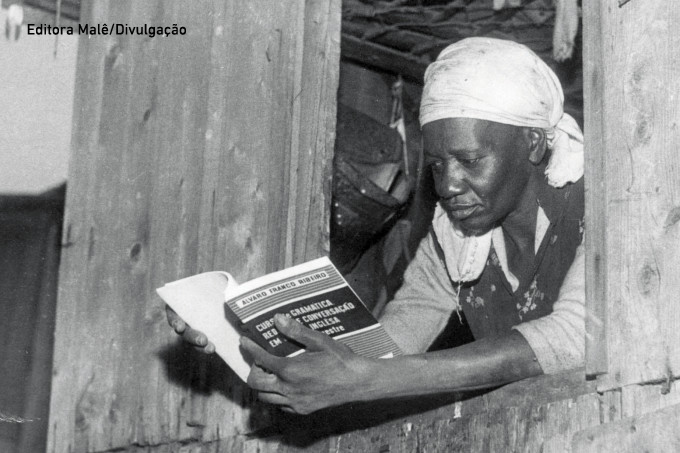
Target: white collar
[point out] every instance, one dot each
(466, 256)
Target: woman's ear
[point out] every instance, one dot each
(537, 145)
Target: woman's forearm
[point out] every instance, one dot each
(485, 363)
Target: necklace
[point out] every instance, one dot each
(467, 267)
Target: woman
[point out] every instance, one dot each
(504, 247)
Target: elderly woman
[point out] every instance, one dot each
(503, 250)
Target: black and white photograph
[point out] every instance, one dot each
(339, 226)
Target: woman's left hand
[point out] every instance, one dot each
(327, 374)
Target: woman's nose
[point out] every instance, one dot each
(449, 183)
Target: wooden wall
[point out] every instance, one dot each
(189, 153)
(210, 152)
(634, 191)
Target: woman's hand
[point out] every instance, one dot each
(189, 335)
(327, 374)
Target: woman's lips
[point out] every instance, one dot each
(460, 211)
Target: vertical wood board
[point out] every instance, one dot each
(596, 180)
(640, 80)
(189, 153)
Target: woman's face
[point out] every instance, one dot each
(480, 168)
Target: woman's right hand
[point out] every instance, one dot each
(189, 335)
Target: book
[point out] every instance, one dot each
(313, 293)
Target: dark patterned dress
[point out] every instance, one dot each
(489, 304)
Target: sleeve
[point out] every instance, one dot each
(558, 339)
(422, 307)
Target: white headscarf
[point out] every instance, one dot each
(505, 82)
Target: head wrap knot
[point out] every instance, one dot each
(505, 82)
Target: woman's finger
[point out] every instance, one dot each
(261, 357)
(174, 320)
(208, 349)
(273, 398)
(263, 381)
(195, 337)
(313, 340)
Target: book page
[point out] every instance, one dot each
(274, 277)
(199, 301)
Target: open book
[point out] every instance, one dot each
(314, 293)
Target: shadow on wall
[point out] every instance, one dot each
(30, 233)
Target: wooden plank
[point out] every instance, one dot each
(384, 58)
(189, 153)
(643, 399)
(227, 445)
(545, 428)
(308, 231)
(533, 412)
(595, 191)
(655, 432)
(641, 76)
(547, 425)
(371, 418)
(611, 406)
(87, 98)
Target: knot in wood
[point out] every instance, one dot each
(135, 252)
(648, 280)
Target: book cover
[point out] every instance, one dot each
(314, 293)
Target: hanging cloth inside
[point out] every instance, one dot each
(501, 4)
(566, 26)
